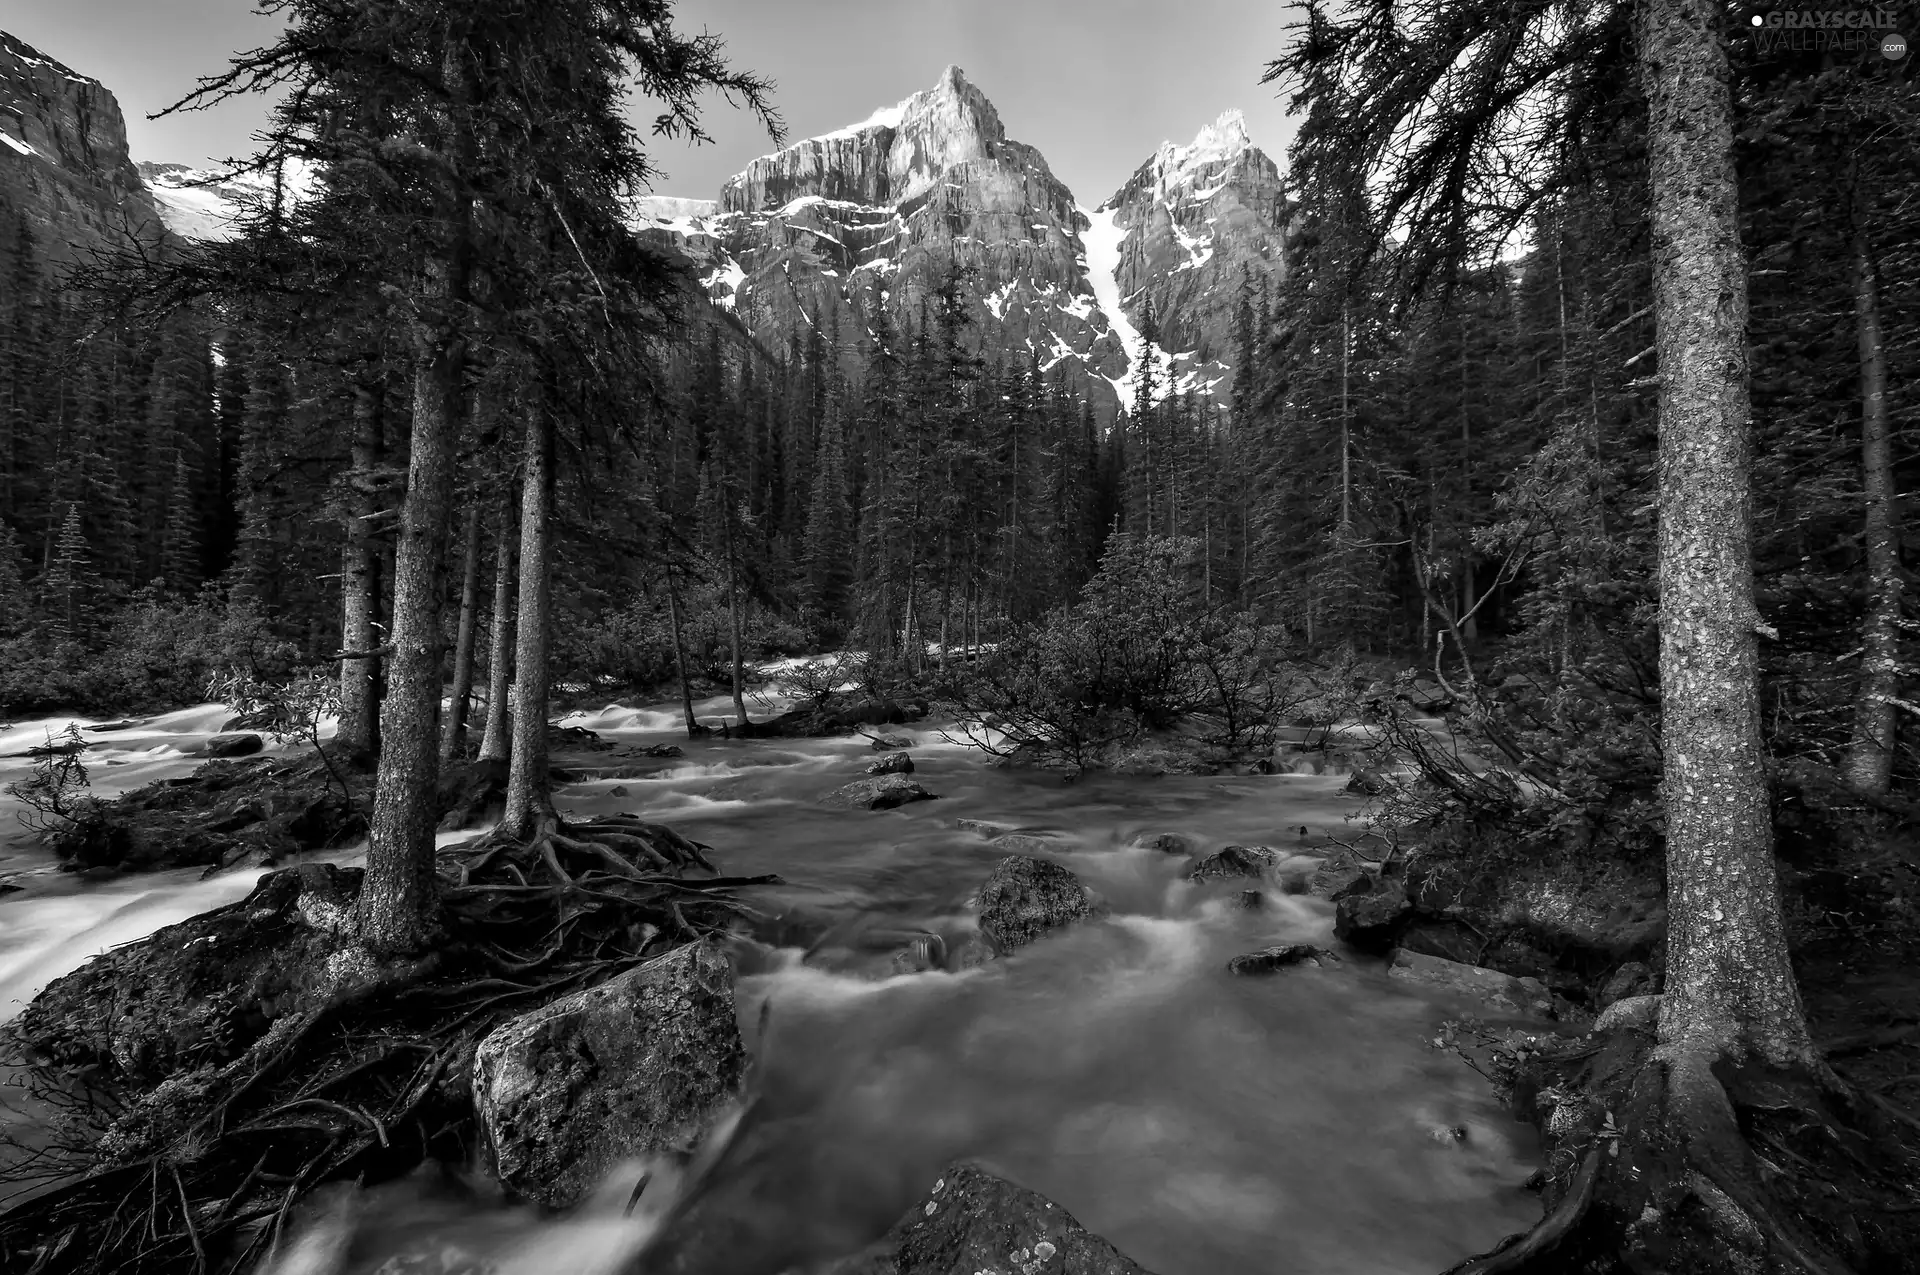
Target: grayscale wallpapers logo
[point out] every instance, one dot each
(1829, 31)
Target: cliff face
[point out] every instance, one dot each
(63, 156)
(1194, 222)
(832, 228)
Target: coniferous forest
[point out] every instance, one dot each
(1555, 505)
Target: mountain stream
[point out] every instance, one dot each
(1295, 1124)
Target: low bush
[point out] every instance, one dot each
(159, 651)
(1139, 653)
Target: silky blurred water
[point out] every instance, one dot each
(1206, 1125)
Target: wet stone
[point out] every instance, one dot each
(639, 1065)
(973, 1222)
(1371, 913)
(884, 743)
(1499, 991)
(1165, 843)
(1269, 959)
(1027, 897)
(1234, 861)
(891, 764)
(883, 793)
(244, 745)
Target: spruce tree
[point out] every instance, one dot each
(67, 589)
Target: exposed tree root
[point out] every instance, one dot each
(1668, 1161)
(363, 1079)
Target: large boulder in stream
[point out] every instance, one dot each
(1026, 897)
(974, 1222)
(199, 993)
(1234, 861)
(1372, 912)
(245, 745)
(639, 1065)
(1501, 992)
(883, 793)
(891, 764)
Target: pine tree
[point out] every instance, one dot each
(67, 588)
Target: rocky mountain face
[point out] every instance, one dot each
(829, 230)
(832, 228)
(1193, 224)
(824, 234)
(63, 156)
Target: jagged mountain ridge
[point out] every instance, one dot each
(64, 165)
(1194, 222)
(823, 232)
(834, 226)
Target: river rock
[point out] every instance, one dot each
(884, 793)
(1252, 900)
(1269, 959)
(1028, 842)
(1334, 875)
(985, 827)
(1371, 913)
(641, 1064)
(1370, 783)
(1501, 991)
(1165, 843)
(1635, 1013)
(197, 994)
(245, 745)
(1234, 861)
(1026, 897)
(891, 764)
(579, 739)
(1631, 979)
(974, 1222)
(885, 743)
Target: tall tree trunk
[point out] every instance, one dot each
(1870, 755)
(399, 899)
(359, 580)
(496, 742)
(1730, 991)
(733, 622)
(680, 653)
(529, 795)
(453, 738)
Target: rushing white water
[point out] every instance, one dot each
(1207, 1125)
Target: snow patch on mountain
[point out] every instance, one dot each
(205, 203)
(18, 145)
(885, 117)
(671, 209)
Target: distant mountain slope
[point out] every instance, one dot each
(63, 156)
(1194, 221)
(824, 232)
(834, 226)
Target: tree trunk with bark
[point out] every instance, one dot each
(399, 900)
(453, 738)
(529, 799)
(1870, 755)
(1730, 988)
(359, 579)
(495, 743)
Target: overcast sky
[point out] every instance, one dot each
(1095, 84)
